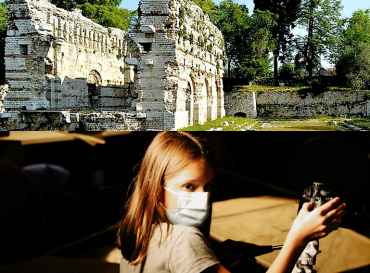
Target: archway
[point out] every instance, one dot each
(219, 101)
(189, 103)
(93, 89)
(209, 98)
(240, 115)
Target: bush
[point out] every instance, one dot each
(286, 72)
(354, 66)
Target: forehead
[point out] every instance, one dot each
(197, 171)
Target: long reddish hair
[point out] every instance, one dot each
(168, 153)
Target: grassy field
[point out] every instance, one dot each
(321, 123)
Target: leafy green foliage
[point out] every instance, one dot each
(358, 28)
(321, 19)
(354, 65)
(248, 39)
(3, 15)
(286, 72)
(108, 16)
(104, 12)
(287, 11)
(68, 5)
(208, 6)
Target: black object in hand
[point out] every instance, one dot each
(255, 251)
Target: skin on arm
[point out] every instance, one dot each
(308, 226)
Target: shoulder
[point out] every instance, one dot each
(191, 251)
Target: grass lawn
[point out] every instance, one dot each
(261, 88)
(285, 124)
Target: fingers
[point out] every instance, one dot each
(307, 206)
(329, 205)
(337, 212)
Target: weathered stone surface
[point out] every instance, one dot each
(168, 72)
(292, 104)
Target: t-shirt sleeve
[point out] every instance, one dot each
(191, 253)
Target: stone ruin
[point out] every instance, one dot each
(65, 72)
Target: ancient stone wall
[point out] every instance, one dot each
(241, 104)
(54, 57)
(295, 104)
(181, 69)
(164, 76)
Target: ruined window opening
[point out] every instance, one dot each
(48, 67)
(93, 95)
(149, 35)
(24, 49)
(147, 46)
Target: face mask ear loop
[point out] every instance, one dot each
(170, 191)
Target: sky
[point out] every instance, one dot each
(349, 5)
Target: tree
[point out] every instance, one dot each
(321, 19)
(286, 71)
(287, 11)
(233, 21)
(208, 6)
(108, 16)
(247, 39)
(357, 28)
(354, 65)
(104, 12)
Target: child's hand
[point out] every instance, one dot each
(318, 223)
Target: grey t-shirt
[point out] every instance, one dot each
(185, 250)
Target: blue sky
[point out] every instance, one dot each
(349, 5)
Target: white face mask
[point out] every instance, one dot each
(192, 208)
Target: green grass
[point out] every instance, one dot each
(260, 88)
(244, 123)
(318, 123)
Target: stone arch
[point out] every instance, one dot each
(189, 102)
(240, 115)
(200, 103)
(94, 82)
(219, 98)
(49, 67)
(209, 107)
(132, 55)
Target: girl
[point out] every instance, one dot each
(167, 219)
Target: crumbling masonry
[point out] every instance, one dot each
(65, 72)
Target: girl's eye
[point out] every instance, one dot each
(189, 187)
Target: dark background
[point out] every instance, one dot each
(84, 211)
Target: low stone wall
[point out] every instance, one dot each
(241, 104)
(295, 104)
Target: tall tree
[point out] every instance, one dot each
(287, 10)
(353, 65)
(357, 28)
(233, 21)
(247, 38)
(321, 19)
